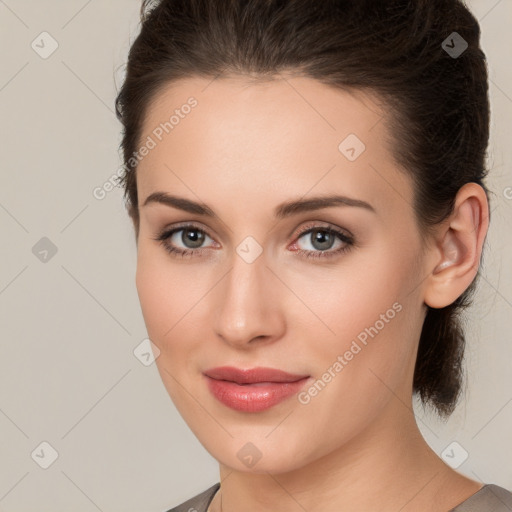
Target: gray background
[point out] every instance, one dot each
(69, 325)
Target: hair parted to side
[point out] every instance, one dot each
(392, 48)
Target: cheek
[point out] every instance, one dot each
(157, 294)
(368, 317)
(349, 299)
(164, 308)
(171, 295)
(368, 360)
(152, 296)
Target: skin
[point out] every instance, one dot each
(243, 150)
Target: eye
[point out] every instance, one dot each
(320, 238)
(191, 237)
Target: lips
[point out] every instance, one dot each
(252, 375)
(254, 389)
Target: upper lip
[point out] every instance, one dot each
(252, 375)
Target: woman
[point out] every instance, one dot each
(306, 184)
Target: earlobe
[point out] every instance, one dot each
(457, 252)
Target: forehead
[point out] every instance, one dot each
(291, 134)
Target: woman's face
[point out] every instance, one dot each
(259, 287)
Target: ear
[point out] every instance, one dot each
(454, 258)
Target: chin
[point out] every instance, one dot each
(281, 456)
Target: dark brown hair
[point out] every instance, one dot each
(395, 49)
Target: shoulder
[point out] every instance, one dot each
(490, 497)
(198, 503)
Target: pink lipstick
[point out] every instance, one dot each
(253, 389)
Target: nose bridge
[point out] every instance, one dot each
(246, 302)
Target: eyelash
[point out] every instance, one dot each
(346, 239)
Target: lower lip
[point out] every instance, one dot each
(253, 397)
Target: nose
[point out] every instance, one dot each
(248, 308)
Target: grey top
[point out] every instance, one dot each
(490, 498)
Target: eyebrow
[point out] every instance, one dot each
(286, 209)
